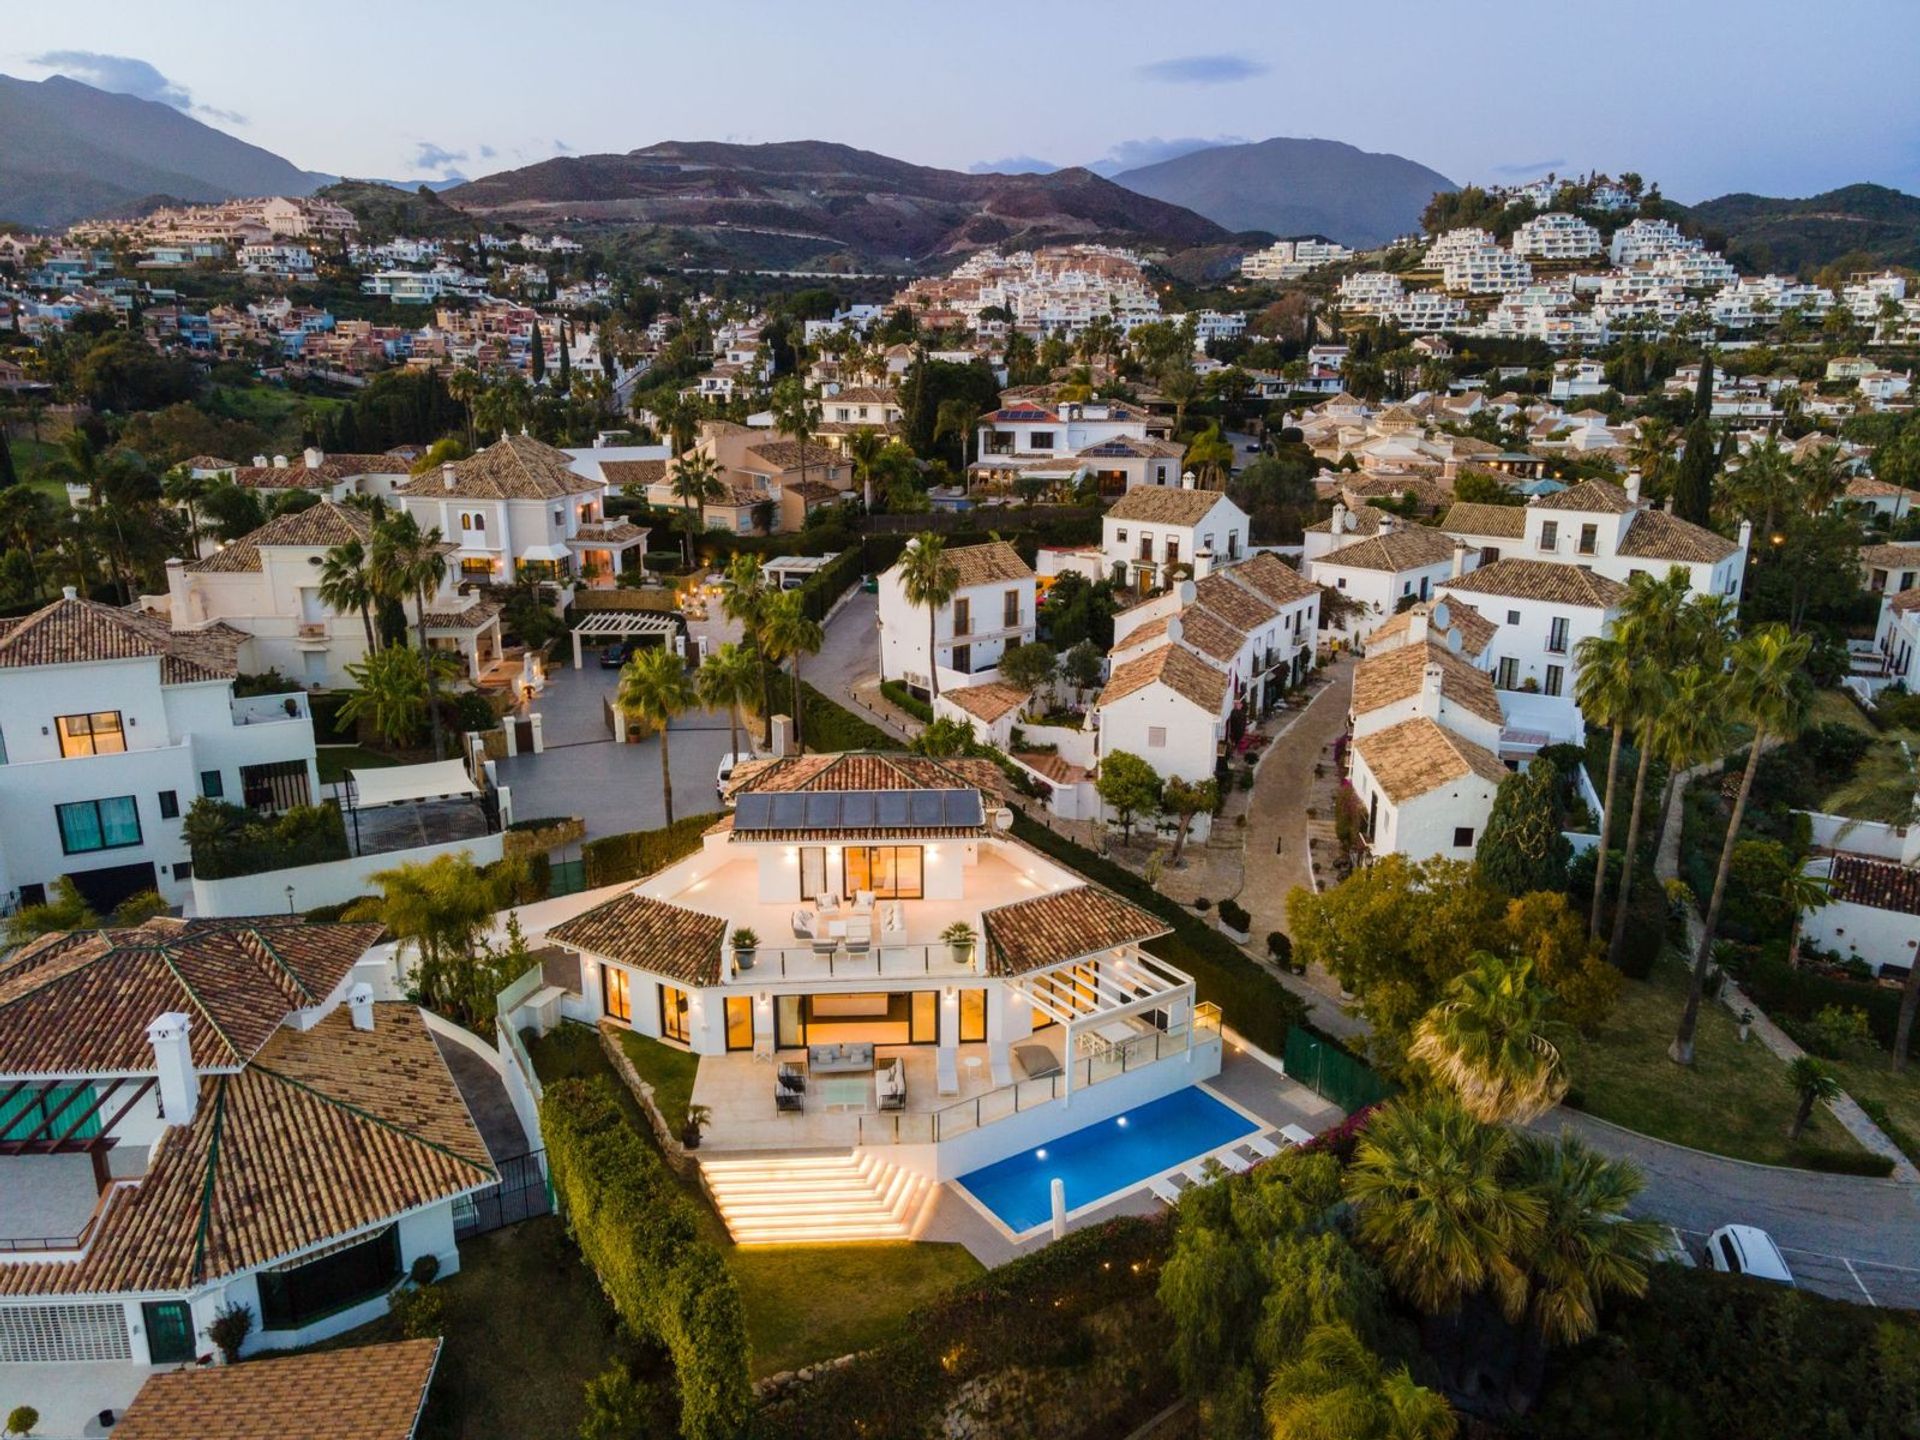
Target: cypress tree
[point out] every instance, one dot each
(8, 475)
(566, 366)
(1693, 478)
(1703, 392)
(538, 354)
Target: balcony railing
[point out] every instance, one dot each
(802, 962)
(38, 1244)
(963, 1117)
(270, 709)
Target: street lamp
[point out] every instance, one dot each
(289, 899)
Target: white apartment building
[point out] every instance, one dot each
(1696, 269)
(1428, 311)
(1640, 242)
(1370, 292)
(1556, 235)
(287, 261)
(1489, 270)
(992, 608)
(111, 724)
(1863, 294)
(1212, 325)
(1456, 243)
(1149, 531)
(1291, 259)
(1123, 446)
(1573, 379)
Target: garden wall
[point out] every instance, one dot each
(333, 883)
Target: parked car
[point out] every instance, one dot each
(617, 654)
(1745, 1250)
(727, 762)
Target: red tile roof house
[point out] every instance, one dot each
(856, 1058)
(198, 1114)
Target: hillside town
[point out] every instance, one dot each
(1081, 834)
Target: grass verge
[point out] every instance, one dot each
(1734, 1101)
(335, 760)
(669, 1071)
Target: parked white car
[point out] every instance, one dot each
(1744, 1250)
(727, 762)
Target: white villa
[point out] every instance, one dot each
(1147, 532)
(202, 1114)
(992, 609)
(111, 724)
(1119, 444)
(854, 1033)
(1397, 563)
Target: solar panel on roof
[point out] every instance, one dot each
(823, 810)
(925, 806)
(753, 812)
(890, 806)
(789, 811)
(857, 809)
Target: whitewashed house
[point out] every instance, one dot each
(1398, 565)
(1150, 531)
(1424, 790)
(993, 608)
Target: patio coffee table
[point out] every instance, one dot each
(843, 1093)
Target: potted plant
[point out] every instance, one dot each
(745, 942)
(229, 1330)
(698, 1118)
(959, 937)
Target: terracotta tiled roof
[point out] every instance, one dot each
(1382, 680)
(1051, 765)
(1413, 547)
(650, 934)
(1202, 630)
(79, 1002)
(319, 527)
(209, 462)
(989, 564)
(613, 532)
(1656, 535)
(477, 614)
(1509, 522)
(328, 1132)
(1273, 578)
(516, 467)
(1891, 557)
(1476, 631)
(1365, 521)
(372, 1392)
(1596, 497)
(990, 701)
(1066, 925)
(1241, 606)
(1157, 505)
(1417, 756)
(633, 472)
(785, 455)
(1906, 601)
(867, 770)
(1180, 670)
(1878, 883)
(1866, 487)
(72, 632)
(1136, 446)
(1540, 580)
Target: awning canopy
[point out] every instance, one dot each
(601, 623)
(397, 784)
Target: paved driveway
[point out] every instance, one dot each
(614, 788)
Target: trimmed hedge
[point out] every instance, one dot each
(1044, 1316)
(1253, 1002)
(229, 840)
(907, 701)
(828, 726)
(821, 590)
(639, 1232)
(1843, 1162)
(1786, 993)
(613, 858)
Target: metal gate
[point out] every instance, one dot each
(569, 877)
(521, 1193)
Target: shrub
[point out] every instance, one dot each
(1202, 904)
(907, 701)
(1280, 947)
(541, 823)
(640, 1234)
(421, 1314)
(1234, 915)
(425, 1269)
(227, 840)
(829, 726)
(1782, 991)
(229, 1329)
(1843, 1162)
(613, 858)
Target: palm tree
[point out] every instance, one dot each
(411, 562)
(1769, 691)
(863, 448)
(438, 909)
(1487, 1042)
(348, 582)
(743, 597)
(696, 480)
(1585, 1249)
(1652, 453)
(1692, 728)
(78, 463)
(787, 632)
(1431, 1201)
(679, 415)
(465, 385)
(1605, 685)
(929, 578)
(796, 413)
(184, 488)
(1813, 1082)
(1336, 1388)
(955, 417)
(655, 687)
(26, 521)
(1886, 787)
(393, 689)
(727, 679)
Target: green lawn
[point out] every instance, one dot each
(526, 1327)
(1734, 1101)
(1868, 1077)
(1836, 707)
(335, 760)
(803, 1303)
(669, 1071)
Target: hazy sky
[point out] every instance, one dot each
(1705, 96)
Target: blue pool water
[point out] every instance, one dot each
(1108, 1157)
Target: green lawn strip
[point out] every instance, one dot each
(1869, 1078)
(669, 1071)
(335, 760)
(526, 1327)
(1734, 1101)
(815, 1302)
(803, 1303)
(1836, 707)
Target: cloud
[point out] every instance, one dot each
(1529, 167)
(1202, 70)
(1012, 165)
(430, 156)
(487, 152)
(125, 75)
(1132, 154)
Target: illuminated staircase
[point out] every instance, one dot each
(815, 1199)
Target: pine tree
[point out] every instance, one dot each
(538, 355)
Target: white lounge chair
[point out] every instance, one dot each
(802, 922)
(946, 1071)
(1262, 1146)
(1165, 1190)
(1296, 1134)
(1199, 1173)
(859, 935)
(1238, 1164)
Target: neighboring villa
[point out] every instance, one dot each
(992, 609)
(1148, 532)
(1035, 437)
(206, 1114)
(1396, 565)
(267, 586)
(112, 723)
(857, 1024)
(761, 485)
(1873, 909)
(518, 510)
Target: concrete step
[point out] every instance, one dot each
(815, 1199)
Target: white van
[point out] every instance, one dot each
(727, 762)
(1744, 1250)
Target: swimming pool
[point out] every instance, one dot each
(1106, 1158)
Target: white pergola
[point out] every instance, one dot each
(1102, 989)
(623, 625)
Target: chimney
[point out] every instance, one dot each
(259, 462)
(1633, 488)
(1187, 480)
(446, 475)
(1430, 692)
(360, 1004)
(1388, 522)
(68, 592)
(279, 462)
(780, 735)
(173, 1060)
(1339, 522)
(1202, 563)
(1417, 623)
(1459, 558)
(1746, 534)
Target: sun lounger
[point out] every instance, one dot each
(1296, 1134)
(1199, 1173)
(1238, 1164)
(1165, 1190)
(1262, 1146)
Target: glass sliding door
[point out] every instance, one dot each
(891, 872)
(925, 1026)
(813, 872)
(973, 1016)
(739, 1022)
(674, 1021)
(615, 987)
